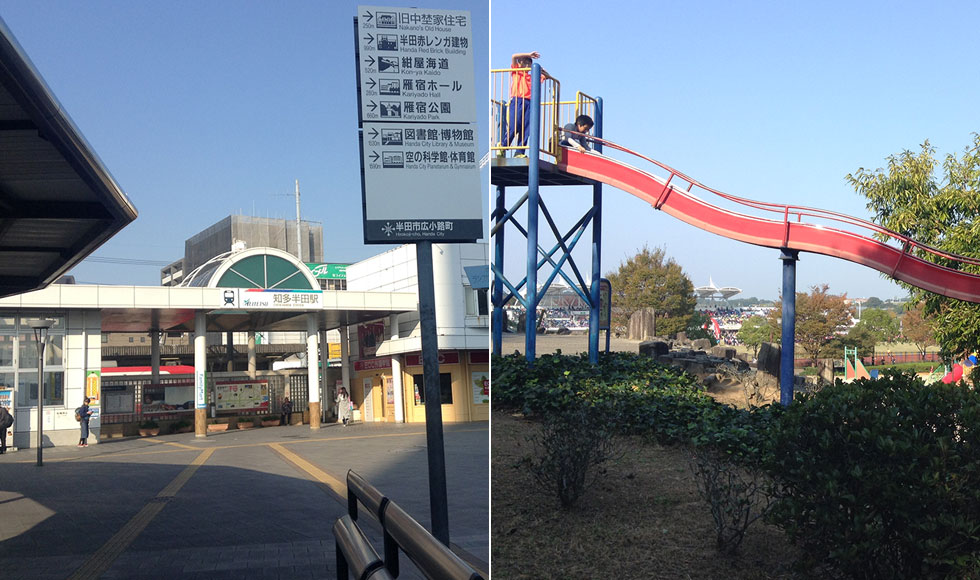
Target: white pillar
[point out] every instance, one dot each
(345, 357)
(251, 354)
(447, 279)
(200, 377)
(312, 372)
(324, 365)
(396, 373)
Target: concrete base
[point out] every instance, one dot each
(200, 422)
(314, 415)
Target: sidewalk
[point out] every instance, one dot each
(259, 503)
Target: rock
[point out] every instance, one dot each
(654, 348)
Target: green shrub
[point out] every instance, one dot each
(571, 447)
(881, 479)
(149, 424)
(737, 496)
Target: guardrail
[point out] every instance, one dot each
(401, 532)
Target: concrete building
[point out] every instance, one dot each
(387, 384)
(239, 232)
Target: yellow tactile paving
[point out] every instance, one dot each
(323, 477)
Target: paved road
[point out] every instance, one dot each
(258, 503)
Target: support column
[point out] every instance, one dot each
(396, 373)
(251, 354)
(312, 369)
(229, 351)
(200, 374)
(596, 251)
(499, 320)
(788, 342)
(596, 274)
(155, 355)
(533, 203)
(345, 358)
(324, 385)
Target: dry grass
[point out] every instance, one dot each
(642, 520)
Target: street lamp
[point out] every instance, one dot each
(40, 330)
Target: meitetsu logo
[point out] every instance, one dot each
(386, 20)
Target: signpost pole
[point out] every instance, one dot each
(438, 502)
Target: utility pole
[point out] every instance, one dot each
(299, 235)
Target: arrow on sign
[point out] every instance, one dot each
(374, 133)
(375, 156)
(370, 61)
(368, 16)
(369, 38)
(371, 83)
(373, 106)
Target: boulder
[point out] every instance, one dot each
(654, 348)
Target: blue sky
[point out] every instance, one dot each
(773, 101)
(201, 110)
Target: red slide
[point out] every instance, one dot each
(672, 194)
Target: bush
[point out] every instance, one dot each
(737, 496)
(881, 479)
(149, 424)
(646, 397)
(573, 444)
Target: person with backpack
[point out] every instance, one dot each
(84, 413)
(287, 412)
(6, 420)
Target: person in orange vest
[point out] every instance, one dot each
(519, 110)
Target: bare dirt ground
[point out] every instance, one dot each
(567, 343)
(643, 519)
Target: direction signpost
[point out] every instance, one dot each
(420, 166)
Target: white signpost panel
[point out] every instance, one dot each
(417, 111)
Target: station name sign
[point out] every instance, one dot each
(264, 299)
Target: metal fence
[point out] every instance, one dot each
(277, 382)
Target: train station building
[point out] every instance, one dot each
(216, 313)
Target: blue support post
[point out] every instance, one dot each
(788, 345)
(534, 200)
(596, 250)
(497, 326)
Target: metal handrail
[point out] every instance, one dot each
(435, 560)
(432, 557)
(355, 553)
(796, 212)
(500, 98)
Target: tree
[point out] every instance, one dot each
(940, 211)
(819, 317)
(755, 331)
(651, 280)
(878, 326)
(918, 328)
(699, 326)
(873, 302)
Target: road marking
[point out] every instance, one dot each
(103, 559)
(318, 474)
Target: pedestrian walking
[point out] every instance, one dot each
(84, 413)
(287, 412)
(343, 406)
(6, 420)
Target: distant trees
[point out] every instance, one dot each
(875, 326)
(918, 328)
(756, 330)
(652, 280)
(819, 317)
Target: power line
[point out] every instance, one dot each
(127, 261)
